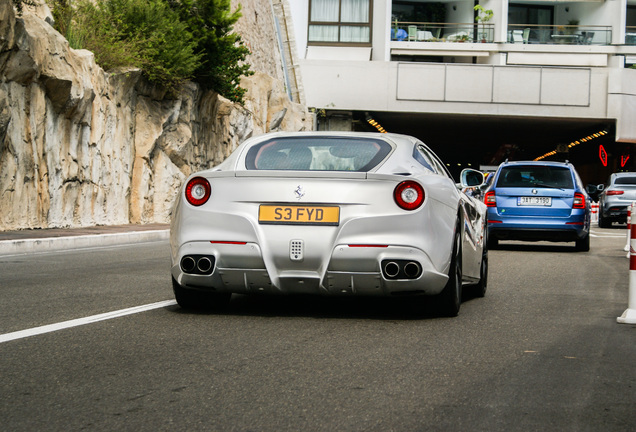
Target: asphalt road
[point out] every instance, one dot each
(541, 352)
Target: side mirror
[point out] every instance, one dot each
(600, 188)
(471, 178)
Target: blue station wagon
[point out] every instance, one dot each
(538, 201)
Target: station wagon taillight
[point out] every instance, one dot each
(490, 199)
(579, 201)
(409, 195)
(197, 191)
(614, 192)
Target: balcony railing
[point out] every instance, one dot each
(560, 34)
(630, 35)
(442, 32)
(517, 33)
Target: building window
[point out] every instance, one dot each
(631, 16)
(524, 14)
(340, 22)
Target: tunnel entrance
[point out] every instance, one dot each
(485, 141)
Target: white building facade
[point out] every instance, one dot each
(540, 60)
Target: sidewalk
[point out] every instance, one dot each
(41, 240)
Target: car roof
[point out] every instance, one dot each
(398, 139)
(327, 133)
(624, 174)
(544, 163)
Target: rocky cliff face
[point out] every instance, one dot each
(80, 146)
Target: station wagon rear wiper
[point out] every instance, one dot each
(543, 185)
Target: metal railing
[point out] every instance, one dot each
(630, 35)
(442, 32)
(560, 34)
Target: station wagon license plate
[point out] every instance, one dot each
(298, 215)
(534, 201)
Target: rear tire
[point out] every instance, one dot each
(450, 299)
(199, 300)
(603, 222)
(583, 245)
(492, 242)
(482, 285)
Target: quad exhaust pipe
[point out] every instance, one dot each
(391, 269)
(197, 264)
(401, 269)
(412, 269)
(204, 264)
(188, 264)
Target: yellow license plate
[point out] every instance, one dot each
(299, 215)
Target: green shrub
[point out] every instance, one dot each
(165, 46)
(92, 28)
(170, 40)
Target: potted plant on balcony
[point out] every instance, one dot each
(572, 27)
(483, 16)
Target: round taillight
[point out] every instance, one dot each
(198, 191)
(409, 195)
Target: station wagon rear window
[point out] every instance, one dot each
(535, 176)
(318, 154)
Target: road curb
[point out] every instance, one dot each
(13, 247)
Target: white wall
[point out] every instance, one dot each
(457, 88)
(464, 12)
(381, 29)
(300, 15)
(622, 103)
(608, 13)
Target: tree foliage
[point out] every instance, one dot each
(224, 54)
(170, 40)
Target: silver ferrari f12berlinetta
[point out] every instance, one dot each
(329, 213)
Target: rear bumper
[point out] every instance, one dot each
(539, 229)
(615, 211)
(242, 269)
(525, 234)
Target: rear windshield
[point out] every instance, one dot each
(626, 180)
(317, 154)
(535, 176)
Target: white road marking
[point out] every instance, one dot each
(608, 234)
(81, 321)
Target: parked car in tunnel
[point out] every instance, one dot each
(536, 201)
(616, 197)
(328, 213)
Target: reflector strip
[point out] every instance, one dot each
(228, 242)
(574, 223)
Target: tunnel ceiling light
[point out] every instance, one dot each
(374, 123)
(575, 143)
